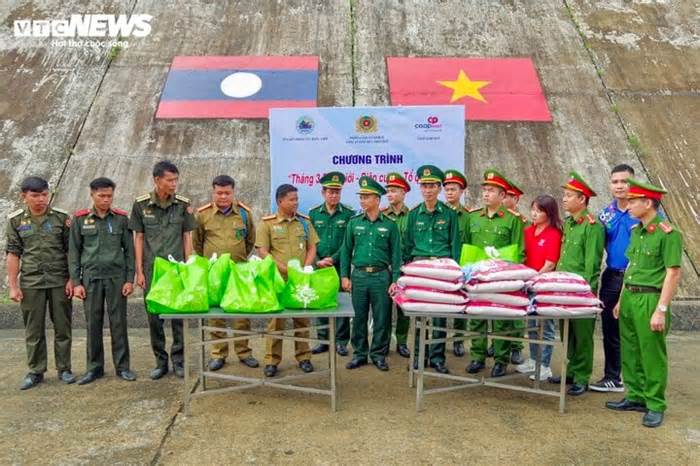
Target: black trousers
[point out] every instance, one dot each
(610, 288)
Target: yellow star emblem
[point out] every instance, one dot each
(465, 87)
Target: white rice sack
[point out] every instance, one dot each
(433, 296)
(439, 269)
(577, 299)
(506, 286)
(496, 270)
(566, 282)
(486, 309)
(509, 299)
(423, 282)
(567, 311)
(418, 306)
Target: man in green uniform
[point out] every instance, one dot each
(396, 189)
(650, 282)
(37, 246)
(163, 222)
(330, 220)
(581, 253)
(493, 225)
(101, 266)
(454, 185)
(225, 226)
(432, 233)
(287, 235)
(373, 247)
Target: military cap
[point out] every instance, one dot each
(454, 176)
(576, 183)
(494, 178)
(639, 189)
(396, 180)
(513, 189)
(370, 186)
(430, 174)
(333, 180)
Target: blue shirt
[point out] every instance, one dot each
(618, 226)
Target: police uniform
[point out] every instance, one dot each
(330, 228)
(163, 224)
(41, 243)
(229, 231)
(101, 259)
(432, 234)
(286, 239)
(499, 229)
(373, 249)
(581, 253)
(654, 248)
(400, 216)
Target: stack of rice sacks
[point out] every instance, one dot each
(433, 285)
(558, 294)
(497, 288)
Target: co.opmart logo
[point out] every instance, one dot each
(85, 26)
(432, 122)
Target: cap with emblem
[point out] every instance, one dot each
(513, 189)
(639, 189)
(494, 178)
(395, 180)
(454, 176)
(370, 186)
(333, 180)
(576, 183)
(430, 174)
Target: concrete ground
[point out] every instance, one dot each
(112, 421)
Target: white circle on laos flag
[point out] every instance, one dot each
(241, 84)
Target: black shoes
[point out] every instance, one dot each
(270, 370)
(557, 380)
(626, 405)
(458, 349)
(498, 370)
(31, 380)
(440, 367)
(306, 366)
(320, 348)
(66, 377)
(415, 364)
(652, 419)
(159, 372)
(475, 366)
(403, 350)
(91, 376)
(516, 357)
(355, 363)
(341, 350)
(250, 361)
(490, 352)
(577, 389)
(381, 364)
(127, 375)
(216, 364)
(179, 370)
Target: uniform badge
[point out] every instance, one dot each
(500, 213)
(335, 178)
(651, 228)
(489, 176)
(426, 172)
(364, 183)
(392, 177)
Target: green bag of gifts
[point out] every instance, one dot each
(253, 287)
(219, 271)
(179, 287)
(472, 254)
(310, 289)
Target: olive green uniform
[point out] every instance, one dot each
(163, 224)
(373, 248)
(225, 232)
(101, 259)
(286, 239)
(519, 324)
(652, 250)
(432, 235)
(581, 253)
(331, 232)
(41, 243)
(400, 216)
(463, 224)
(500, 229)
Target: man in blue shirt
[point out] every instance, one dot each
(618, 225)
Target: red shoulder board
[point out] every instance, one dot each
(591, 219)
(120, 212)
(666, 228)
(243, 206)
(514, 212)
(81, 212)
(204, 207)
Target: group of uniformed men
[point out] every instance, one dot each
(99, 253)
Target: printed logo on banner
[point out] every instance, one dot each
(305, 125)
(366, 124)
(431, 123)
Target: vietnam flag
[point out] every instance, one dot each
(491, 89)
(237, 86)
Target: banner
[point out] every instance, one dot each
(306, 143)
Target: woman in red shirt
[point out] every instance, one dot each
(542, 247)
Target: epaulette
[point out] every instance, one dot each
(303, 216)
(390, 218)
(666, 228)
(182, 198)
(384, 209)
(120, 212)
(475, 209)
(591, 219)
(346, 207)
(204, 207)
(15, 213)
(270, 217)
(243, 206)
(60, 211)
(143, 197)
(83, 212)
(634, 226)
(514, 212)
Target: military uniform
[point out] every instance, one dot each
(400, 217)
(582, 247)
(101, 259)
(432, 235)
(286, 239)
(163, 224)
(518, 325)
(41, 243)
(226, 232)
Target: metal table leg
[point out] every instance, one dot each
(412, 349)
(421, 362)
(564, 362)
(540, 349)
(332, 361)
(186, 344)
(202, 354)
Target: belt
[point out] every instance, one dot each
(371, 269)
(422, 258)
(642, 289)
(615, 272)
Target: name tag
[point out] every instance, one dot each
(89, 227)
(440, 222)
(24, 227)
(382, 229)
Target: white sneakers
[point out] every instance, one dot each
(529, 366)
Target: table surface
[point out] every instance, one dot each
(461, 315)
(344, 309)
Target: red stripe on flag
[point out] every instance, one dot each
(225, 109)
(244, 63)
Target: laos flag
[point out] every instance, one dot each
(237, 87)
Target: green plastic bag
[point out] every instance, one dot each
(179, 287)
(253, 287)
(317, 289)
(472, 254)
(219, 271)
